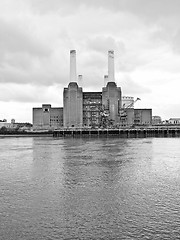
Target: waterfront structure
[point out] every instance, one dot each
(138, 132)
(6, 125)
(13, 126)
(90, 109)
(156, 120)
(46, 117)
(101, 109)
(174, 121)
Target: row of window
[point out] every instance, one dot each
(54, 120)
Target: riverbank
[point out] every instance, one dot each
(26, 134)
(165, 131)
(121, 133)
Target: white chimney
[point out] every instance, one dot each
(105, 80)
(73, 75)
(80, 80)
(111, 66)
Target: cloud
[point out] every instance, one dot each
(25, 58)
(153, 9)
(37, 35)
(176, 43)
(167, 111)
(103, 44)
(16, 40)
(36, 76)
(21, 55)
(131, 87)
(12, 92)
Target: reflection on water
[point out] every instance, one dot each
(89, 188)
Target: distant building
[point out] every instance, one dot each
(13, 121)
(156, 120)
(47, 117)
(6, 124)
(4, 120)
(85, 108)
(143, 116)
(174, 121)
(13, 126)
(102, 109)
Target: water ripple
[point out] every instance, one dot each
(89, 188)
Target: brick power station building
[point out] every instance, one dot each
(91, 109)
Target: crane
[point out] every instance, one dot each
(131, 104)
(123, 112)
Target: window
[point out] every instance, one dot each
(46, 110)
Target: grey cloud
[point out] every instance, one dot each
(25, 59)
(64, 7)
(19, 60)
(15, 40)
(153, 9)
(27, 93)
(176, 43)
(130, 62)
(129, 86)
(167, 35)
(35, 77)
(93, 82)
(103, 44)
(95, 62)
(20, 56)
(17, 94)
(161, 35)
(147, 8)
(171, 110)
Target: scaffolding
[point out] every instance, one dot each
(123, 113)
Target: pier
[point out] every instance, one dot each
(121, 133)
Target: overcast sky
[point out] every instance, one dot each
(37, 35)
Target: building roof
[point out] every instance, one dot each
(174, 119)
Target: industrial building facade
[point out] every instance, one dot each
(47, 117)
(89, 109)
(92, 109)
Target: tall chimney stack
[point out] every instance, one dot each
(105, 80)
(73, 76)
(111, 66)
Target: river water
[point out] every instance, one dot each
(89, 188)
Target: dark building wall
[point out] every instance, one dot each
(92, 105)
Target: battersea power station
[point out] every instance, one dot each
(105, 109)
